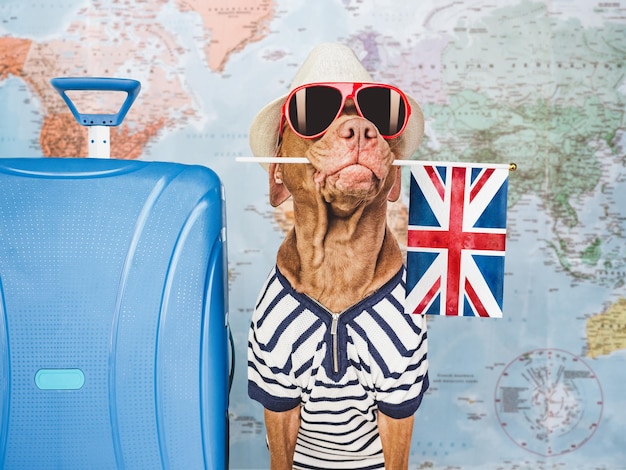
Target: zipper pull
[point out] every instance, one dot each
(333, 334)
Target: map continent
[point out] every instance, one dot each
(150, 52)
(606, 331)
(230, 26)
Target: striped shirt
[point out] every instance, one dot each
(341, 368)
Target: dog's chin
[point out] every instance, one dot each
(350, 186)
(354, 180)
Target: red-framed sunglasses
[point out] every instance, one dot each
(310, 109)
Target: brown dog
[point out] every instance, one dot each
(331, 310)
(340, 250)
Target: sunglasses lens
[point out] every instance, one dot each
(384, 107)
(313, 109)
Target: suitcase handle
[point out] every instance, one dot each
(131, 87)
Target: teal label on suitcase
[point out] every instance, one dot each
(59, 379)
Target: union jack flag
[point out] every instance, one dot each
(456, 240)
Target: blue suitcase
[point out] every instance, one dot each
(113, 323)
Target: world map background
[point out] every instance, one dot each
(536, 83)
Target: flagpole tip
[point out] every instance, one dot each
(512, 166)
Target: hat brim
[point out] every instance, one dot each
(264, 130)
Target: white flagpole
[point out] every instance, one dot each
(509, 166)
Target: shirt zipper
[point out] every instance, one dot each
(333, 334)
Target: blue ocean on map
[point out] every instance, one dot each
(21, 120)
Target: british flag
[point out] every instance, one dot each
(456, 240)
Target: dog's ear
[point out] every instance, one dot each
(278, 191)
(394, 194)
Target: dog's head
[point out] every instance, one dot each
(350, 152)
(350, 165)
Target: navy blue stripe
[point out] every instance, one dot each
(275, 369)
(417, 364)
(342, 398)
(307, 390)
(288, 320)
(271, 402)
(374, 353)
(409, 319)
(319, 383)
(343, 411)
(335, 443)
(403, 283)
(329, 451)
(269, 380)
(350, 462)
(304, 430)
(334, 423)
(369, 467)
(268, 284)
(404, 410)
(307, 334)
(391, 332)
(270, 308)
(303, 368)
(388, 330)
(308, 364)
(397, 304)
(353, 407)
(378, 357)
(370, 442)
(334, 385)
(410, 367)
(405, 387)
(360, 366)
(258, 359)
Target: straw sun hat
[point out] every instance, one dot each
(327, 63)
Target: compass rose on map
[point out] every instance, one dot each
(549, 402)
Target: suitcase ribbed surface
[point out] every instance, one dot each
(112, 315)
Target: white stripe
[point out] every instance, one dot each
(380, 340)
(272, 321)
(405, 335)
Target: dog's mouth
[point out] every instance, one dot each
(354, 180)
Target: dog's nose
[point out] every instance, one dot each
(359, 129)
